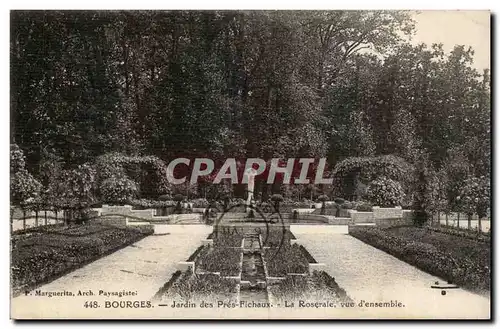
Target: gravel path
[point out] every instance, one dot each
(369, 274)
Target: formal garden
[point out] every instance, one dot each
(388, 152)
(81, 234)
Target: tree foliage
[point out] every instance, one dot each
(130, 90)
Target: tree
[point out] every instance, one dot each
(323, 198)
(277, 198)
(178, 198)
(23, 186)
(474, 197)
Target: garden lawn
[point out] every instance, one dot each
(43, 255)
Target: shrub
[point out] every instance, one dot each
(363, 206)
(17, 159)
(339, 200)
(118, 190)
(323, 198)
(178, 198)
(385, 192)
(165, 197)
(23, 186)
(149, 172)
(147, 204)
(200, 203)
(277, 198)
(347, 205)
(368, 169)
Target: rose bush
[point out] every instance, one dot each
(385, 192)
(118, 190)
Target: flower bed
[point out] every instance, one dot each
(307, 255)
(275, 238)
(40, 257)
(285, 260)
(227, 239)
(195, 255)
(195, 287)
(319, 287)
(219, 259)
(455, 259)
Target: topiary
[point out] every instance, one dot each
(322, 198)
(347, 205)
(277, 198)
(339, 200)
(178, 197)
(165, 197)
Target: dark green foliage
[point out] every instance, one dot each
(253, 84)
(323, 198)
(178, 198)
(460, 260)
(221, 258)
(385, 192)
(285, 259)
(195, 287)
(39, 257)
(165, 197)
(277, 198)
(350, 172)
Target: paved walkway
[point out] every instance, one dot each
(143, 267)
(369, 274)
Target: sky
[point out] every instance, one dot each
(470, 28)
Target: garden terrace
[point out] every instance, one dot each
(454, 258)
(39, 257)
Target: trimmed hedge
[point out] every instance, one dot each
(40, 257)
(449, 259)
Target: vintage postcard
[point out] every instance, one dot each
(250, 164)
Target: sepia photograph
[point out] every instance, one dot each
(250, 164)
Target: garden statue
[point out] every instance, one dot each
(250, 173)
